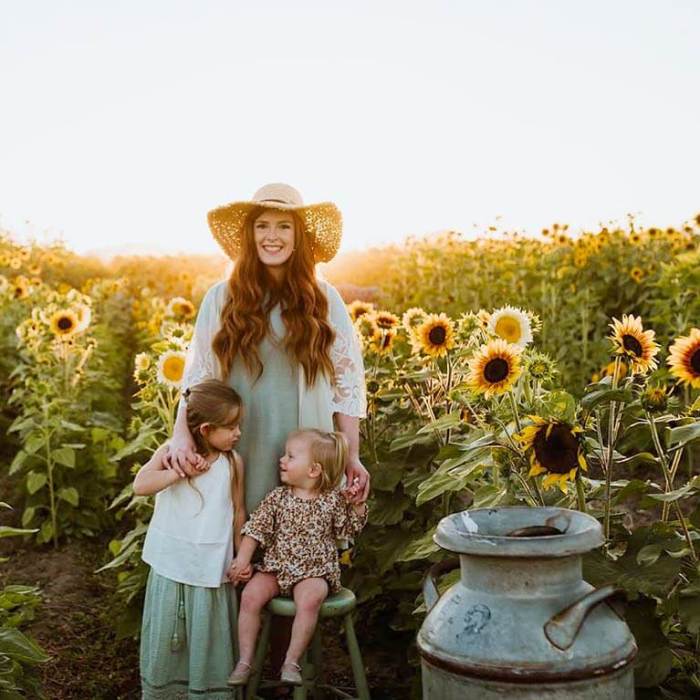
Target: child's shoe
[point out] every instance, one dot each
(240, 674)
(291, 673)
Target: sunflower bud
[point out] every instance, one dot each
(655, 399)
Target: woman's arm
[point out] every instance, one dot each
(354, 469)
(152, 477)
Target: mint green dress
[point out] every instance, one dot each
(270, 411)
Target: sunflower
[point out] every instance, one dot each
(20, 287)
(386, 320)
(142, 361)
(171, 367)
(556, 451)
(64, 323)
(684, 359)
(655, 399)
(637, 274)
(632, 341)
(366, 327)
(540, 366)
(360, 308)
(484, 318)
(609, 370)
(84, 316)
(383, 340)
(413, 318)
(511, 324)
(494, 368)
(179, 307)
(436, 335)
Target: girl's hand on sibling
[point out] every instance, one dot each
(201, 464)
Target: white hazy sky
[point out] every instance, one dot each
(122, 123)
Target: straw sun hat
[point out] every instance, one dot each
(323, 222)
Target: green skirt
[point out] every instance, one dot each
(188, 641)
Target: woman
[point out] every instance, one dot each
(279, 336)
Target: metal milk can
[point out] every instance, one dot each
(521, 622)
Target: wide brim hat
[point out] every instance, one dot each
(323, 222)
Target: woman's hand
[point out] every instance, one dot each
(357, 488)
(181, 456)
(239, 571)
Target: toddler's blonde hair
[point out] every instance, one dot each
(330, 450)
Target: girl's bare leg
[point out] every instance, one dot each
(309, 594)
(257, 593)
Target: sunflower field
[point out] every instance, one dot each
(559, 370)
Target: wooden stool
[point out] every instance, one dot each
(339, 605)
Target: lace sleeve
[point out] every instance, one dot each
(349, 395)
(201, 362)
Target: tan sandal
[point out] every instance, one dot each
(240, 674)
(291, 673)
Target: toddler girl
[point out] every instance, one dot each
(189, 613)
(297, 524)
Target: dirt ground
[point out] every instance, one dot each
(74, 626)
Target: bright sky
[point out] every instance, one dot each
(122, 123)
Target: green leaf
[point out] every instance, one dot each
(410, 439)
(385, 476)
(655, 659)
(35, 481)
(46, 532)
(70, 495)
(65, 456)
(68, 425)
(443, 423)
(20, 424)
(598, 396)
(118, 561)
(489, 496)
(561, 405)
(13, 531)
(649, 554)
(19, 647)
(683, 434)
(28, 516)
(18, 462)
(388, 509)
(420, 548)
(34, 443)
(671, 496)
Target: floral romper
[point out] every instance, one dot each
(299, 535)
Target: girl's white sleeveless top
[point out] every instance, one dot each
(190, 538)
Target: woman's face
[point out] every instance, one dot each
(274, 237)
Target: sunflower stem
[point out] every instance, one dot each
(514, 406)
(580, 493)
(610, 452)
(667, 476)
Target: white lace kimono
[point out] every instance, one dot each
(317, 404)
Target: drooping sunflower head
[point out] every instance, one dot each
(386, 320)
(684, 359)
(20, 287)
(654, 399)
(555, 451)
(359, 308)
(435, 336)
(366, 327)
(171, 367)
(383, 340)
(413, 318)
(64, 323)
(540, 366)
(631, 340)
(512, 325)
(494, 368)
(180, 308)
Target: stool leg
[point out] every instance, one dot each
(358, 669)
(317, 660)
(260, 653)
(300, 690)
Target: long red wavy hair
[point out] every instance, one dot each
(253, 292)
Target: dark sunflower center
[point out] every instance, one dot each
(437, 335)
(557, 453)
(496, 370)
(629, 342)
(695, 361)
(65, 323)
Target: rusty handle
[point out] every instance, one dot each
(430, 587)
(562, 628)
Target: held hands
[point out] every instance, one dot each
(239, 571)
(357, 488)
(182, 458)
